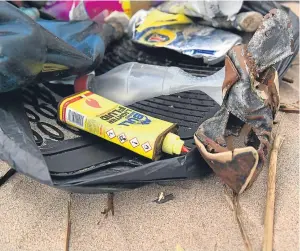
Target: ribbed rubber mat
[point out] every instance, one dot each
(125, 50)
(86, 153)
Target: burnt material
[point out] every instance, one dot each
(251, 94)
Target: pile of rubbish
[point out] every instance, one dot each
(105, 96)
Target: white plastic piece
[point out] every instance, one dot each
(132, 82)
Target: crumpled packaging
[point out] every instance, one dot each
(177, 32)
(205, 9)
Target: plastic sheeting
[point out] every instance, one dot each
(18, 149)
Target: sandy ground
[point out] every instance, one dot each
(33, 216)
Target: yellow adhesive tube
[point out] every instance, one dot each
(123, 126)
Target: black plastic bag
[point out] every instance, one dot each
(17, 146)
(49, 49)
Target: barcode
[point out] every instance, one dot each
(75, 118)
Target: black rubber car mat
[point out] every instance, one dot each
(82, 153)
(82, 150)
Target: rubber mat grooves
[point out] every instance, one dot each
(87, 154)
(126, 51)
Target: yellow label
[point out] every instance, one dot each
(157, 18)
(123, 126)
(47, 67)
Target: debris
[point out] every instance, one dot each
(185, 149)
(135, 131)
(162, 198)
(65, 164)
(179, 33)
(85, 9)
(110, 205)
(122, 80)
(289, 80)
(271, 43)
(233, 201)
(68, 231)
(251, 98)
(205, 9)
(245, 21)
(219, 14)
(7, 176)
(71, 52)
(31, 12)
(290, 108)
(270, 204)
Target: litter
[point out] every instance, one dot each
(50, 58)
(205, 9)
(290, 108)
(163, 198)
(110, 205)
(219, 14)
(84, 10)
(58, 9)
(106, 167)
(288, 80)
(7, 176)
(179, 33)
(139, 82)
(31, 12)
(251, 98)
(140, 133)
(95, 10)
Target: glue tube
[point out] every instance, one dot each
(140, 133)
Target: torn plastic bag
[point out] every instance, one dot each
(88, 37)
(30, 53)
(23, 50)
(117, 171)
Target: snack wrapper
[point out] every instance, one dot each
(177, 32)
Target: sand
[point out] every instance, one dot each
(33, 216)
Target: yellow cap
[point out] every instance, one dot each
(172, 144)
